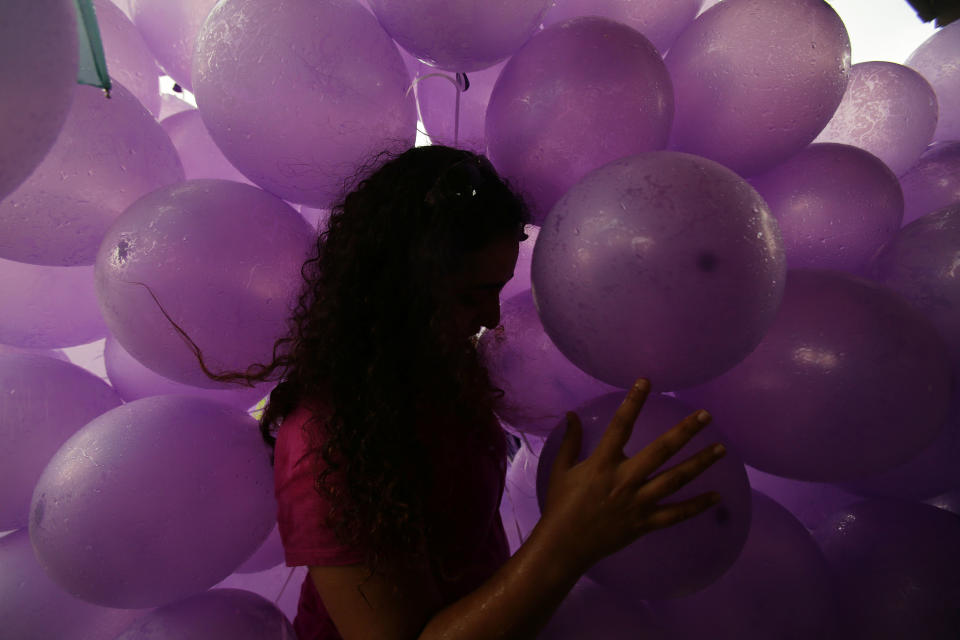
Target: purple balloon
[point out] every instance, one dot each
(755, 82)
(628, 255)
(779, 587)
(109, 153)
(48, 307)
(591, 610)
(897, 566)
(237, 252)
(154, 501)
(200, 155)
(835, 205)
(43, 402)
(661, 21)
(38, 44)
(339, 93)
(219, 613)
(933, 182)
(129, 61)
(938, 60)
(686, 557)
(826, 395)
(170, 29)
(810, 502)
(56, 354)
(280, 584)
(33, 607)
(577, 96)
(269, 555)
(540, 384)
(920, 263)
(460, 35)
(521, 272)
(888, 110)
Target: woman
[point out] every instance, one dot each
(389, 463)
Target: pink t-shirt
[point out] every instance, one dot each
(468, 487)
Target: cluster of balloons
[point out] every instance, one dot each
(723, 204)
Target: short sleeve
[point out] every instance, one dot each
(301, 510)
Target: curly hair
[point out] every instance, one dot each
(371, 338)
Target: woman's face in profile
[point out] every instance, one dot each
(476, 286)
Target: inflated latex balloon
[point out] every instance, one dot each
(647, 260)
(460, 35)
(437, 99)
(521, 272)
(33, 607)
(683, 558)
(938, 60)
(132, 380)
(109, 153)
(933, 182)
(578, 95)
(591, 610)
(38, 44)
(660, 21)
(201, 157)
(298, 94)
(170, 29)
(129, 61)
(835, 205)
(280, 584)
(154, 501)
(540, 384)
(779, 587)
(43, 402)
(519, 510)
(849, 381)
(888, 110)
(268, 556)
(56, 354)
(755, 82)
(897, 566)
(809, 502)
(237, 253)
(48, 307)
(218, 613)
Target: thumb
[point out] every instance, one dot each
(570, 445)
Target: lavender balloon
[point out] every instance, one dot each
(269, 555)
(460, 35)
(686, 557)
(591, 610)
(153, 501)
(660, 21)
(938, 60)
(237, 252)
(219, 613)
(835, 205)
(779, 587)
(540, 384)
(888, 110)
(755, 82)
(521, 273)
(849, 381)
(129, 61)
(170, 29)
(897, 565)
(38, 44)
(48, 307)
(341, 93)
(933, 182)
(635, 247)
(201, 157)
(577, 96)
(43, 402)
(809, 502)
(109, 153)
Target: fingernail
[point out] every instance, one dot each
(703, 417)
(642, 385)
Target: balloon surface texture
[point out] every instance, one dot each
(938, 60)
(933, 182)
(170, 29)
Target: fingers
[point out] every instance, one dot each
(648, 460)
(670, 481)
(621, 426)
(670, 514)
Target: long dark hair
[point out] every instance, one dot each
(371, 339)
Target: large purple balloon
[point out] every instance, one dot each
(200, 155)
(460, 35)
(686, 557)
(298, 94)
(810, 502)
(835, 205)
(933, 182)
(153, 501)
(223, 260)
(109, 153)
(755, 82)
(780, 587)
(897, 566)
(661, 21)
(129, 61)
(170, 29)
(540, 384)
(938, 60)
(849, 381)
(578, 95)
(647, 260)
(38, 47)
(888, 110)
(591, 610)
